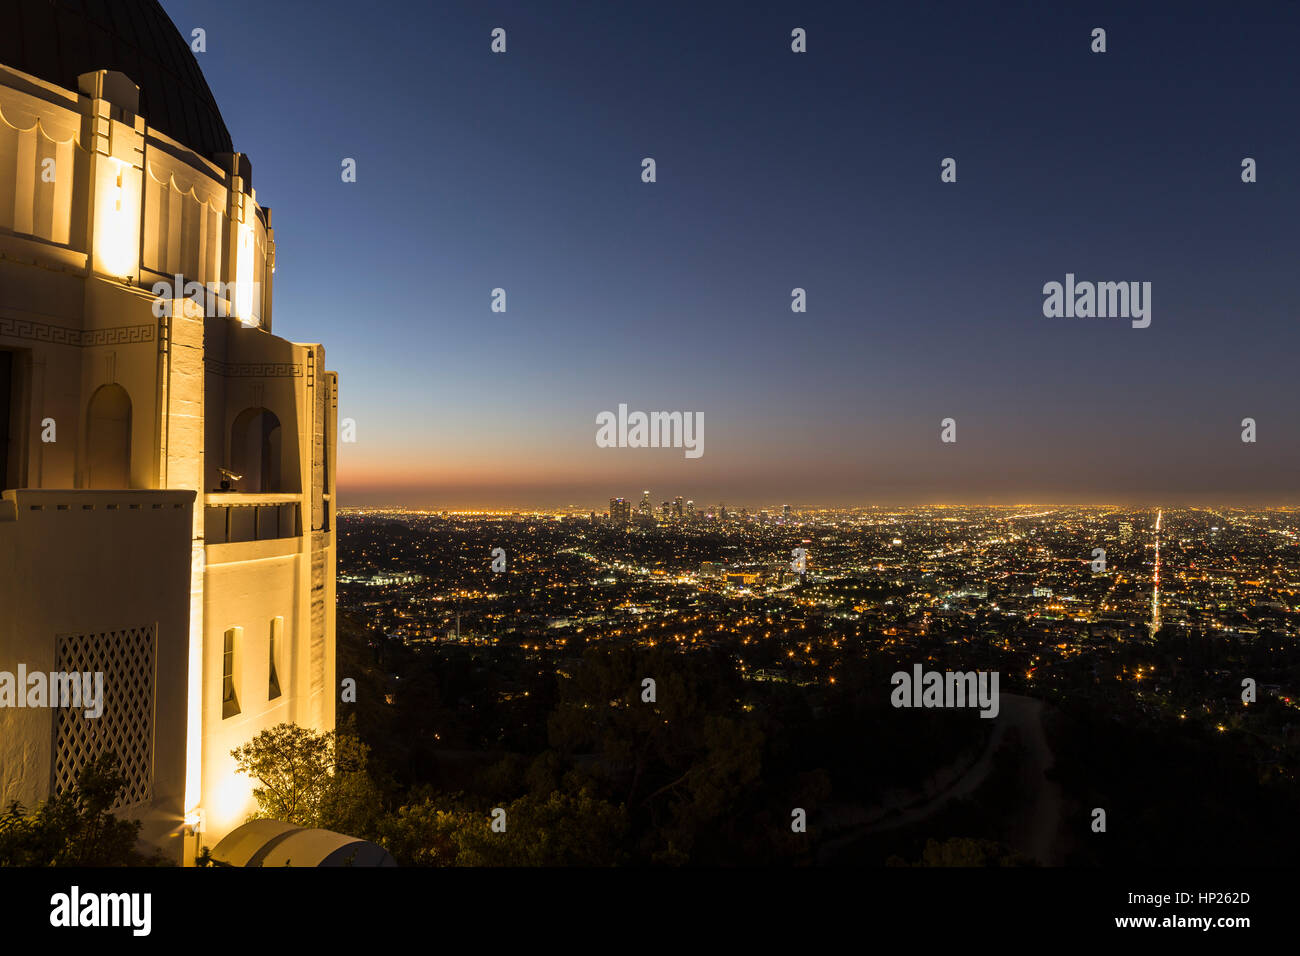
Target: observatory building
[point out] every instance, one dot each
(166, 460)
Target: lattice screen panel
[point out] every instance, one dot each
(126, 658)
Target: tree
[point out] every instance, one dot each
(75, 827)
(555, 829)
(683, 766)
(558, 829)
(424, 833)
(311, 779)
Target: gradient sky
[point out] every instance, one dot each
(778, 170)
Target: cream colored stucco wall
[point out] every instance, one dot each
(74, 325)
(79, 562)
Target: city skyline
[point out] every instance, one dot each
(776, 171)
(702, 506)
(1114, 669)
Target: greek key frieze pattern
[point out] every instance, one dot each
(254, 369)
(35, 331)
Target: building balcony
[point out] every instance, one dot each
(233, 517)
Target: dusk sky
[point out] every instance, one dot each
(779, 170)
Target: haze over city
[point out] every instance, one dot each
(775, 172)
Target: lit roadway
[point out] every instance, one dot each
(1155, 588)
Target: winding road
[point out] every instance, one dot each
(1034, 834)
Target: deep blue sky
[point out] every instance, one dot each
(778, 170)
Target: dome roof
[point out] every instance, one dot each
(276, 843)
(58, 40)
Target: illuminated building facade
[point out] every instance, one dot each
(139, 375)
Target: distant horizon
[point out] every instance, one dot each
(705, 507)
(784, 181)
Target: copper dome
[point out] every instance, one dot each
(58, 40)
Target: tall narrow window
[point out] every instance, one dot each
(277, 637)
(229, 692)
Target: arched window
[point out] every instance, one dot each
(255, 450)
(108, 438)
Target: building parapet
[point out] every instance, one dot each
(21, 502)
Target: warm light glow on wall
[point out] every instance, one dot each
(117, 220)
(194, 709)
(244, 278)
(230, 802)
